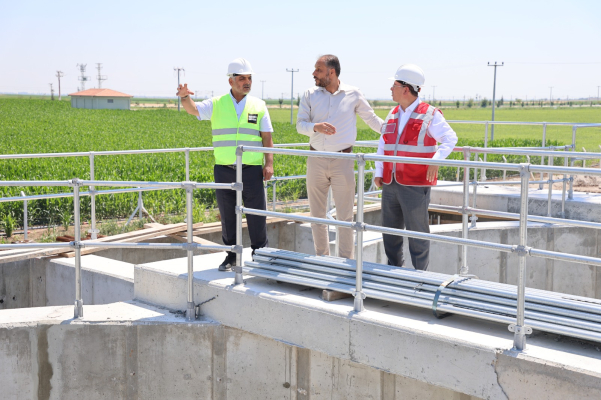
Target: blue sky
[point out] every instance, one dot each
(543, 44)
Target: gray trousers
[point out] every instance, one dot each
(406, 206)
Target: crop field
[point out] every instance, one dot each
(37, 126)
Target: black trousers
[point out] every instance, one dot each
(406, 207)
(253, 196)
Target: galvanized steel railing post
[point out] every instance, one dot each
(550, 194)
(190, 311)
(93, 231)
(563, 190)
(483, 171)
(571, 191)
(273, 190)
(519, 329)
(464, 217)
(238, 268)
(542, 158)
(187, 164)
(359, 295)
(25, 218)
(474, 217)
(78, 312)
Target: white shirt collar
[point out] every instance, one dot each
(234, 99)
(342, 87)
(412, 107)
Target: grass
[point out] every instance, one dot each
(36, 126)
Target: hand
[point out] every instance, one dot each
(432, 173)
(267, 172)
(378, 181)
(325, 128)
(183, 91)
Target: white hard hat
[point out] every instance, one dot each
(239, 66)
(411, 74)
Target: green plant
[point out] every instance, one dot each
(8, 224)
(470, 103)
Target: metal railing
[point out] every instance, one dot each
(522, 250)
(78, 244)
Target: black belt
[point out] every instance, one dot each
(233, 166)
(347, 150)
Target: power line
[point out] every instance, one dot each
(100, 77)
(59, 75)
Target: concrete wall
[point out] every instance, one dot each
(170, 359)
(51, 282)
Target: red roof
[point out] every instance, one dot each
(101, 93)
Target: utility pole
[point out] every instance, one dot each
(263, 90)
(83, 78)
(598, 92)
(550, 95)
(433, 94)
(100, 77)
(59, 75)
(292, 70)
(179, 99)
(51, 92)
(494, 89)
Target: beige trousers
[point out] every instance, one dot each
(321, 174)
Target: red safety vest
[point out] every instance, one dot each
(413, 142)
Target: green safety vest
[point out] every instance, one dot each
(230, 132)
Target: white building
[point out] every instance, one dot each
(101, 98)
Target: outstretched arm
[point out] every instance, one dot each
(184, 93)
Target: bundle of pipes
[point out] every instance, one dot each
(546, 311)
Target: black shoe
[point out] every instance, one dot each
(227, 264)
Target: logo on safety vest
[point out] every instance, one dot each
(252, 118)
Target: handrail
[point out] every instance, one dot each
(519, 328)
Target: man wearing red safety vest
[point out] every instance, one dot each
(412, 129)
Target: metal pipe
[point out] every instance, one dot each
(464, 216)
(359, 295)
(474, 218)
(550, 193)
(519, 329)
(190, 312)
(542, 158)
(563, 190)
(25, 218)
(238, 279)
(187, 152)
(483, 171)
(273, 189)
(78, 311)
(93, 231)
(571, 191)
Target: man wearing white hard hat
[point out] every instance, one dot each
(412, 129)
(237, 119)
(328, 115)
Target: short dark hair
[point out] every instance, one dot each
(413, 92)
(332, 62)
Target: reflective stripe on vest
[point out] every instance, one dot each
(412, 141)
(229, 131)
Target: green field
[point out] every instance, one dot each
(36, 126)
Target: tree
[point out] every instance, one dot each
(439, 103)
(458, 104)
(522, 104)
(470, 103)
(500, 102)
(281, 101)
(297, 100)
(484, 103)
